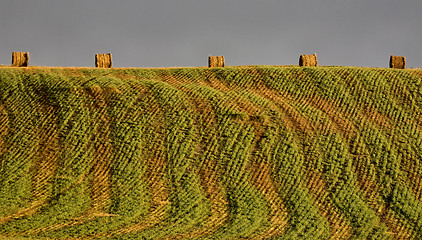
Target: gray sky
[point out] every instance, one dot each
(168, 33)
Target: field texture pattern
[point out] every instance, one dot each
(224, 153)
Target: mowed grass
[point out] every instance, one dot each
(256, 152)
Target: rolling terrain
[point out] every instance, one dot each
(255, 152)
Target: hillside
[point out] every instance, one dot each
(252, 152)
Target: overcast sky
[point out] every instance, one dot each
(168, 33)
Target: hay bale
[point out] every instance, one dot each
(103, 60)
(308, 60)
(216, 61)
(398, 62)
(20, 59)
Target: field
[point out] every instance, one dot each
(255, 152)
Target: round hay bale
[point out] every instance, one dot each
(216, 61)
(20, 59)
(398, 62)
(221, 61)
(103, 60)
(308, 60)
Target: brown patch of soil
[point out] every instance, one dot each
(43, 167)
(339, 228)
(213, 81)
(4, 125)
(101, 180)
(261, 178)
(397, 227)
(340, 123)
(208, 172)
(377, 118)
(292, 118)
(155, 164)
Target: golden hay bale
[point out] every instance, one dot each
(20, 59)
(216, 61)
(308, 60)
(103, 60)
(397, 62)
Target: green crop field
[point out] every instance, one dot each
(255, 152)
